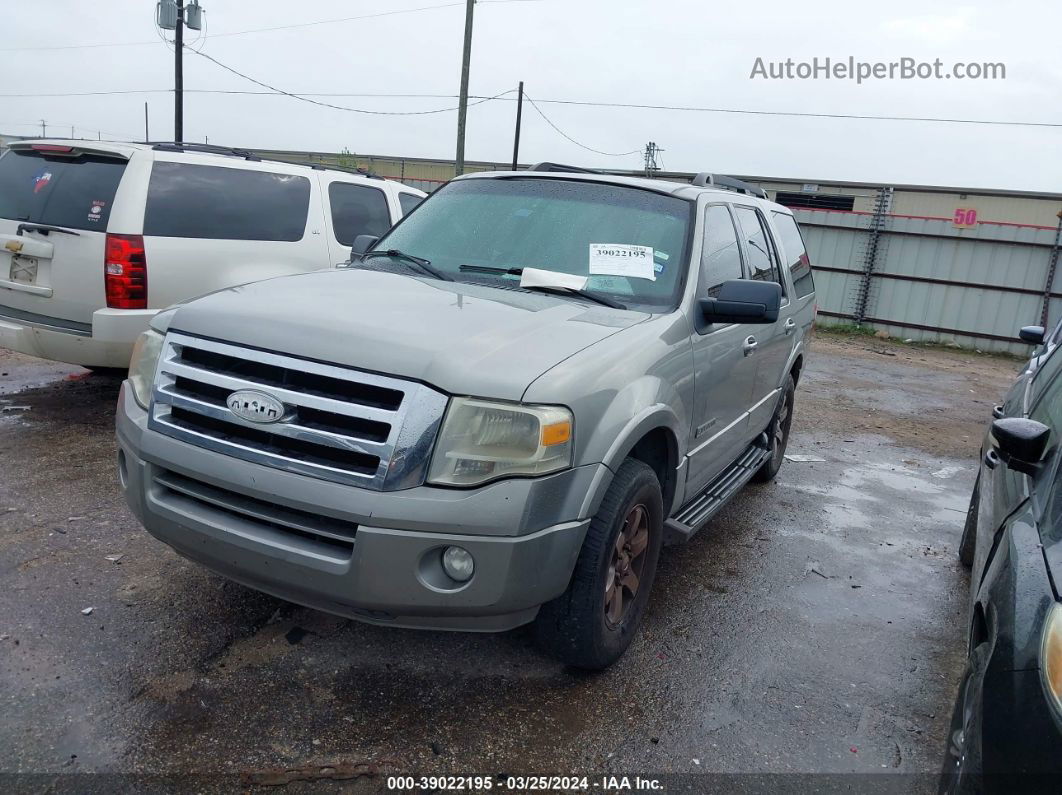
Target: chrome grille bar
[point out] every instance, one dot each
(360, 441)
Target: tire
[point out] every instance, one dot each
(962, 772)
(778, 433)
(969, 529)
(585, 627)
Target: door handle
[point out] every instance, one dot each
(789, 326)
(997, 412)
(750, 345)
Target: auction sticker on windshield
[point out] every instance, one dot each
(621, 259)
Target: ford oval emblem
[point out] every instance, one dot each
(255, 406)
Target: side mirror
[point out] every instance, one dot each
(362, 243)
(1019, 443)
(743, 301)
(1034, 335)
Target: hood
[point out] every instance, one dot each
(467, 339)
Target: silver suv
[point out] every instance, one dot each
(496, 414)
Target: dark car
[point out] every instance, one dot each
(1006, 728)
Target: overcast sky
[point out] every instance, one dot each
(667, 52)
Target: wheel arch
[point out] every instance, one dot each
(652, 436)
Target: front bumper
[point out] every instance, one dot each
(524, 535)
(106, 342)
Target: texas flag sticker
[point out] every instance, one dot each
(40, 182)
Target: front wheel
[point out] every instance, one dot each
(778, 433)
(592, 623)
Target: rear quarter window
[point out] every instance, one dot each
(73, 192)
(218, 203)
(795, 253)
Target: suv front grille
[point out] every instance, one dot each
(339, 424)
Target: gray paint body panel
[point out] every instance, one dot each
(622, 373)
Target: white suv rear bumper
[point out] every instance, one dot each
(107, 342)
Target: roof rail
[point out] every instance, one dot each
(175, 146)
(561, 168)
(705, 179)
(246, 154)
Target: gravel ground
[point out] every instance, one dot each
(817, 626)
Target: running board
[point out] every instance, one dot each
(692, 516)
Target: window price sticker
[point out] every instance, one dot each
(620, 259)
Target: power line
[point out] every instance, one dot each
(564, 134)
(689, 108)
(581, 103)
(264, 30)
(304, 98)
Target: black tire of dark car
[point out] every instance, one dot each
(961, 774)
(591, 624)
(969, 530)
(778, 433)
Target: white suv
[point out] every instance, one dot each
(96, 237)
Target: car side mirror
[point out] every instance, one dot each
(1034, 335)
(742, 301)
(1019, 443)
(362, 243)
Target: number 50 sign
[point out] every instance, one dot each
(965, 217)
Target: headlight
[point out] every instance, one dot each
(142, 366)
(482, 441)
(1051, 657)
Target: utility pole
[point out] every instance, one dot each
(462, 104)
(176, 15)
(519, 109)
(44, 129)
(71, 131)
(651, 165)
(178, 78)
(147, 134)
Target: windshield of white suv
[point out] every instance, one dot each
(629, 243)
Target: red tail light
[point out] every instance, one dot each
(125, 272)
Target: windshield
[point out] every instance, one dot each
(630, 243)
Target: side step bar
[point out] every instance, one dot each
(692, 516)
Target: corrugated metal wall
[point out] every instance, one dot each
(932, 281)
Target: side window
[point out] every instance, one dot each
(407, 201)
(720, 254)
(763, 264)
(219, 203)
(357, 210)
(796, 254)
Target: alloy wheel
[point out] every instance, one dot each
(626, 565)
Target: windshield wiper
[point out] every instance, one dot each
(424, 264)
(490, 269)
(595, 297)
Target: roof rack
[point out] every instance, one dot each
(174, 146)
(560, 167)
(246, 154)
(705, 179)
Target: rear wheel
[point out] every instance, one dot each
(592, 623)
(778, 433)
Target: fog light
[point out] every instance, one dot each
(458, 563)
